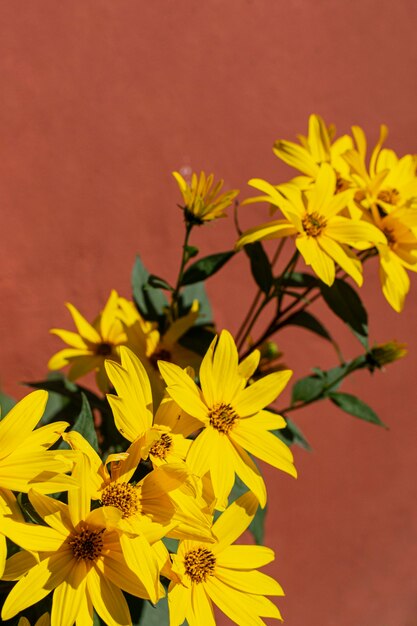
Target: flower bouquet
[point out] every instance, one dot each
(126, 501)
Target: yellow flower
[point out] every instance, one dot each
(150, 345)
(388, 182)
(397, 255)
(232, 416)
(92, 344)
(315, 149)
(322, 236)
(25, 460)
(203, 202)
(148, 506)
(385, 353)
(223, 574)
(81, 561)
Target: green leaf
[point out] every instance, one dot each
(190, 252)
(260, 266)
(291, 435)
(299, 279)
(84, 424)
(310, 322)
(158, 283)
(206, 267)
(6, 403)
(257, 525)
(197, 291)
(351, 404)
(149, 300)
(343, 300)
(308, 388)
(154, 615)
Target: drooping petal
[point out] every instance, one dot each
(248, 473)
(39, 581)
(321, 263)
(234, 521)
(264, 446)
(233, 603)
(179, 597)
(107, 599)
(142, 560)
(66, 603)
(202, 606)
(336, 252)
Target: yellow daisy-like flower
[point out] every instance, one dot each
(150, 345)
(388, 183)
(81, 561)
(92, 344)
(232, 416)
(315, 149)
(223, 574)
(322, 236)
(203, 202)
(133, 412)
(148, 506)
(25, 461)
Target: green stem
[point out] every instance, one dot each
(253, 314)
(184, 260)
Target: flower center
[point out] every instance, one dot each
(390, 196)
(160, 355)
(341, 183)
(199, 564)
(313, 224)
(161, 446)
(222, 417)
(123, 496)
(104, 349)
(86, 544)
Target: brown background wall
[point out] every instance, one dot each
(100, 101)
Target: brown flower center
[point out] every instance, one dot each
(390, 196)
(199, 564)
(341, 183)
(222, 417)
(86, 544)
(313, 224)
(123, 496)
(104, 349)
(161, 446)
(160, 355)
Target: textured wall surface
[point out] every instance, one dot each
(100, 101)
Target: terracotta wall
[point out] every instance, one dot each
(100, 101)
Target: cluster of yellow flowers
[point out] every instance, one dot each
(107, 536)
(340, 203)
(192, 421)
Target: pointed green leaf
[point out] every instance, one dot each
(306, 389)
(84, 424)
(260, 266)
(149, 300)
(310, 322)
(6, 403)
(206, 267)
(158, 283)
(343, 300)
(351, 404)
(291, 435)
(197, 291)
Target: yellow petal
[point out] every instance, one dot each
(249, 581)
(234, 521)
(261, 393)
(86, 330)
(66, 603)
(264, 446)
(183, 390)
(142, 560)
(18, 564)
(21, 420)
(72, 339)
(321, 263)
(245, 557)
(232, 603)
(107, 599)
